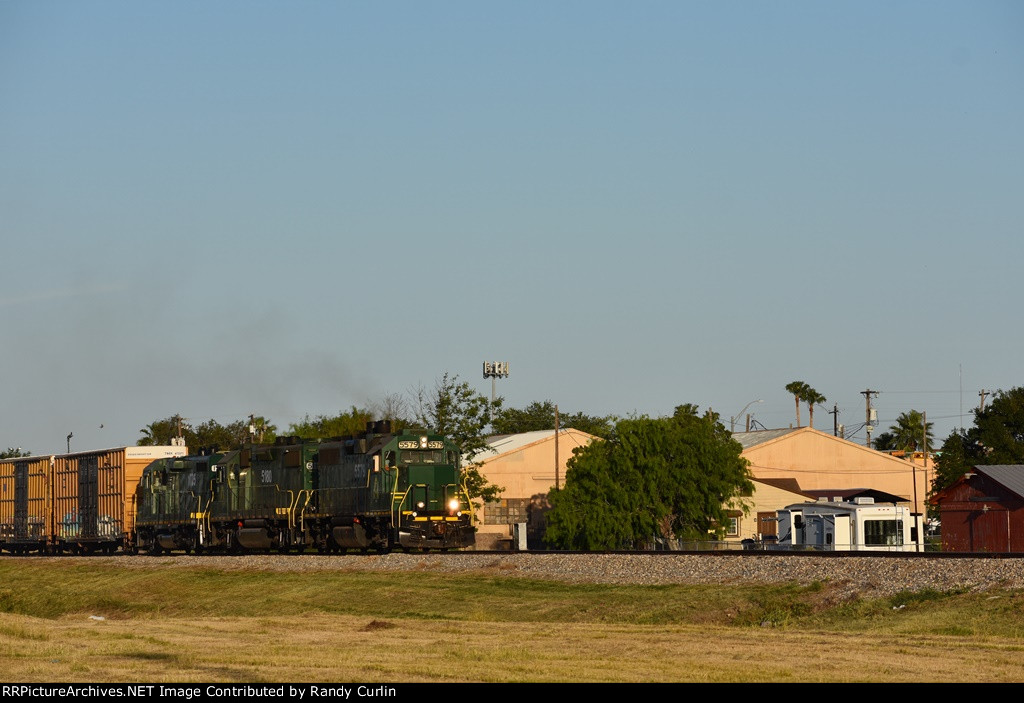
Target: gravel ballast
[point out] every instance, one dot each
(863, 576)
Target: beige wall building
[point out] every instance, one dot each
(758, 519)
(525, 466)
(819, 461)
(788, 466)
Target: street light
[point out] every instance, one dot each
(732, 420)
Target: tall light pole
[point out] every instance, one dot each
(732, 420)
(494, 370)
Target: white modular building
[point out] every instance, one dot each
(861, 525)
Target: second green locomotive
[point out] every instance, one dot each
(380, 490)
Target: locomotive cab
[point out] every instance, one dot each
(432, 509)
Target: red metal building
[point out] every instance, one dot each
(984, 510)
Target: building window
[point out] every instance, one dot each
(734, 527)
(883, 533)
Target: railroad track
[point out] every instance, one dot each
(844, 574)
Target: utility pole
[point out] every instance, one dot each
(924, 433)
(868, 414)
(981, 405)
(556, 447)
(927, 486)
(835, 419)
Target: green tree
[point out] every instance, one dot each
(161, 432)
(906, 434)
(591, 424)
(997, 437)
(454, 409)
(955, 457)
(344, 424)
(665, 477)
(541, 416)
(14, 453)
(209, 435)
(797, 388)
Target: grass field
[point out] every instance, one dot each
(101, 623)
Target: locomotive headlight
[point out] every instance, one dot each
(453, 504)
(420, 505)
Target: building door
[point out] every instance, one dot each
(990, 531)
(768, 524)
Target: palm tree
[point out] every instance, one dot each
(797, 388)
(161, 432)
(812, 398)
(907, 434)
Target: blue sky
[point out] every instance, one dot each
(218, 209)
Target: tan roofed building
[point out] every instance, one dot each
(819, 461)
(525, 466)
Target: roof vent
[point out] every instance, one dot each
(864, 500)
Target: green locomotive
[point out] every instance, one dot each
(380, 490)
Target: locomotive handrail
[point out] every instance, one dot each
(258, 491)
(293, 501)
(201, 514)
(302, 512)
(469, 501)
(204, 526)
(396, 513)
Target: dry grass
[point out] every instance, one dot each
(205, 626)
(323, 648)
